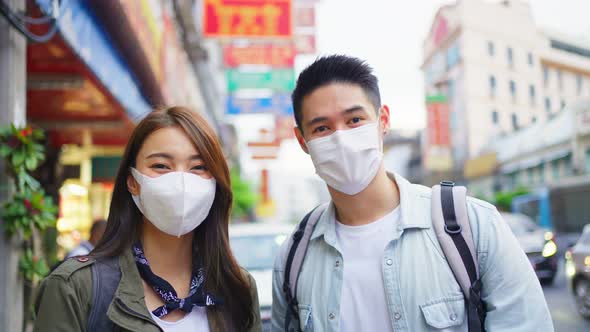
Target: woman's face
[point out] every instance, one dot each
(167, 150)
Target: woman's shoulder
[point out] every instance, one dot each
(74, 269)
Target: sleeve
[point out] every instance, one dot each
(257, 324)
(511, 290)
(58, 307)
(279, 302)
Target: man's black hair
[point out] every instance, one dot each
(335, 69)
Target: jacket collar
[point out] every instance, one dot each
(411, 216)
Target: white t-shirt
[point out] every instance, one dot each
(363, 303)
(195, 321)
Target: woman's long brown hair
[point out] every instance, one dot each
(223, 275)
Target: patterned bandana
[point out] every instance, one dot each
(196, 296)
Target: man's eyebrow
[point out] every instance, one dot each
(317, 120)
(354, 109)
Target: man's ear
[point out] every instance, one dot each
(300, 139)
(132, 185)
(384, 119)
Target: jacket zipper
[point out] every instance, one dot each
(135, 313)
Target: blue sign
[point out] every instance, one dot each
(80, 28)
(279, 104)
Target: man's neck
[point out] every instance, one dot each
(374, 202)
(167, 255)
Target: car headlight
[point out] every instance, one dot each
(549, 249)
(570, 268)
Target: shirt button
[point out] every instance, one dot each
(453, 317)
(337, 264)
(331, 316)
(389, 262)
(397, 316)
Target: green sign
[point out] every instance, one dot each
(105, 168)
(277, 80)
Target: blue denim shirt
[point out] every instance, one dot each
(421, 291)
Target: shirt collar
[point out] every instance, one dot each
(411, 216)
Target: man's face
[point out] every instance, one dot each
(337, 106)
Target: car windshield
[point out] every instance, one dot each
(257, 252)
(520, 224)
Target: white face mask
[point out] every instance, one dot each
(348, 160)
(176, 202)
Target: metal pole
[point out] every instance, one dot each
(12, 110)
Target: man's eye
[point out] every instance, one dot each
(320, 129)
(355, 120)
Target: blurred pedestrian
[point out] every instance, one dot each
(375, 260)
(86, 246)
(164, 262)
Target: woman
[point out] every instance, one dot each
(164, 262)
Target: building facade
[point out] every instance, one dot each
(498, 72)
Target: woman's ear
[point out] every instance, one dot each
(132, 185)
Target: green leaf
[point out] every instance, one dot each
(17, 158)
(31, 164)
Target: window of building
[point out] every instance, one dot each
(588, 160)
(491, 49)
(555, 169)
(579, 83)
(561, 104)
(534, 119)
(532, 94)
(545, 75)
(531, 175)
(559, 79)
(567, 165)
(548, 104)
(513, 90)
(510, 57)
(530, 59)
(542, 173)
(492, 86)
(514, 121)
(495, 117)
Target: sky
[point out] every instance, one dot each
(389, 35)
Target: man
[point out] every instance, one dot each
(373, 261)
(85, 247)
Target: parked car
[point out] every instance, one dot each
(538, 244)
(255, 246)
(577, 270)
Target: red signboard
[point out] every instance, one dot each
(438, 124)
(277, 56)
(247, 18)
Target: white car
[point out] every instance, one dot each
(255, 246)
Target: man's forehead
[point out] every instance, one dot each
(335, 97)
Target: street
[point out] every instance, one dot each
(562, 307)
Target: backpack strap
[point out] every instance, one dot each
(296, 254)
(453, 230)
(106, 275)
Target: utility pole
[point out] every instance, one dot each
(13, 48)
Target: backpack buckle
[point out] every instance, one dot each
(446, 183)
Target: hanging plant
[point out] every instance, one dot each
(29, 210)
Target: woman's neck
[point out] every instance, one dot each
(167, 255)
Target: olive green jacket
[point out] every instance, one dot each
(65, 299)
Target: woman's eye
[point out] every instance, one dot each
(160, 166)
(199, 168)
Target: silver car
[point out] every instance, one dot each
(255, 246)
(577, 270)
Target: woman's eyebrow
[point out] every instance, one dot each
(159, 155)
